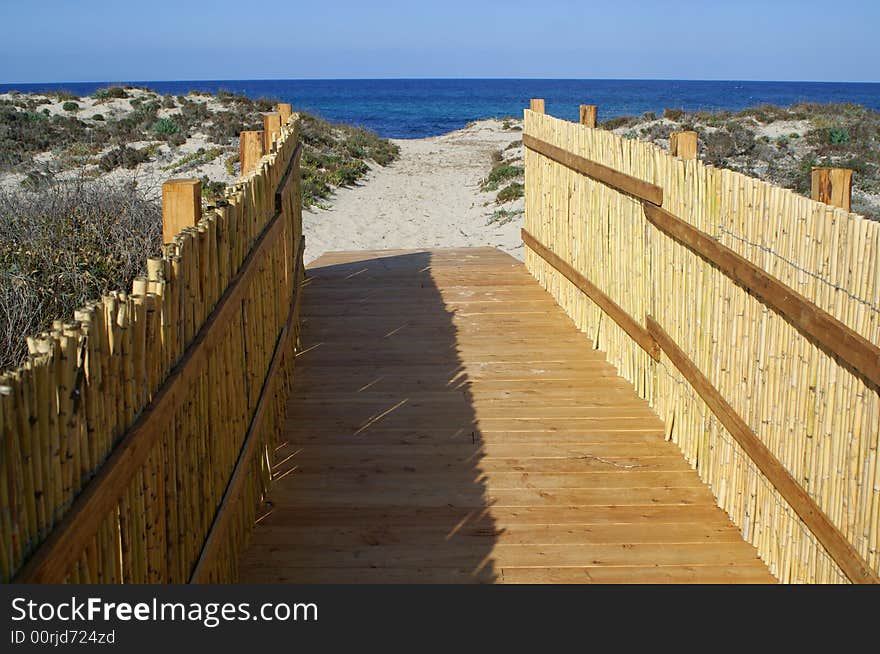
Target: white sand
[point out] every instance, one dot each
(429, 197)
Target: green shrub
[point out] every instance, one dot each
(503, 216)
(70, 106)
(620, 121)
(229, 164)
(165, 126)
(110, 92)
(61, 96)
(511, 192)
(212, 191)
(122, 156)
(500, 174)
(98, 117)
(348, 173)
(838, 136)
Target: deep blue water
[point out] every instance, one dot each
(426, 107)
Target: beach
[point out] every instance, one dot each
(430, 197)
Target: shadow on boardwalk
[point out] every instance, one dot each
(379, 480)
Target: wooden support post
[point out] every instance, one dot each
(683, 145)
(833, 186)
(250, 150)
(181, 206)
(285, 110)
(537, 105)
(271, 130)
(589, 115)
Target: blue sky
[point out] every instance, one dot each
(97, 40)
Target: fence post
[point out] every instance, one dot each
(683, 145)
(589, 115)
(250, 150)
(285, 110)
(181, 206)
(833, 186)
(271, 130)
(537, 105)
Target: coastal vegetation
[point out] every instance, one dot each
(506, 177)
(779, 144)
(80, 187)
(57, 137)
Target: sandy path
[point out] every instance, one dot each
(429, 197)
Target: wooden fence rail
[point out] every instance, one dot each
(766, 306)
(134, 437)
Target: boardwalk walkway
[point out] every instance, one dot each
(449, 424)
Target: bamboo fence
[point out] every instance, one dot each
(819, 418)
(122, 430)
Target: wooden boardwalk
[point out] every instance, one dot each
(449, 424)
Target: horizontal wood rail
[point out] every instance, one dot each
(220, 525)
(55, 556)
(621, 181)
(836, 544)
(626, 322)
(857, 352)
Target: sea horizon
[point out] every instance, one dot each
(422, 107)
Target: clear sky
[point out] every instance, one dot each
(98, 40)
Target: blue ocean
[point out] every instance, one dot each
(414, 108)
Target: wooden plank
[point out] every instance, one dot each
(679, 574)
(218, 533)
(289, 454)
(442, 554)
(511, 534)
(649, 574)
(860, 355)
(836, 544)
(451, 518)
(629, 324)
(621, 181)
(54, 558)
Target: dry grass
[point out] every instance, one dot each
(64, 246)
